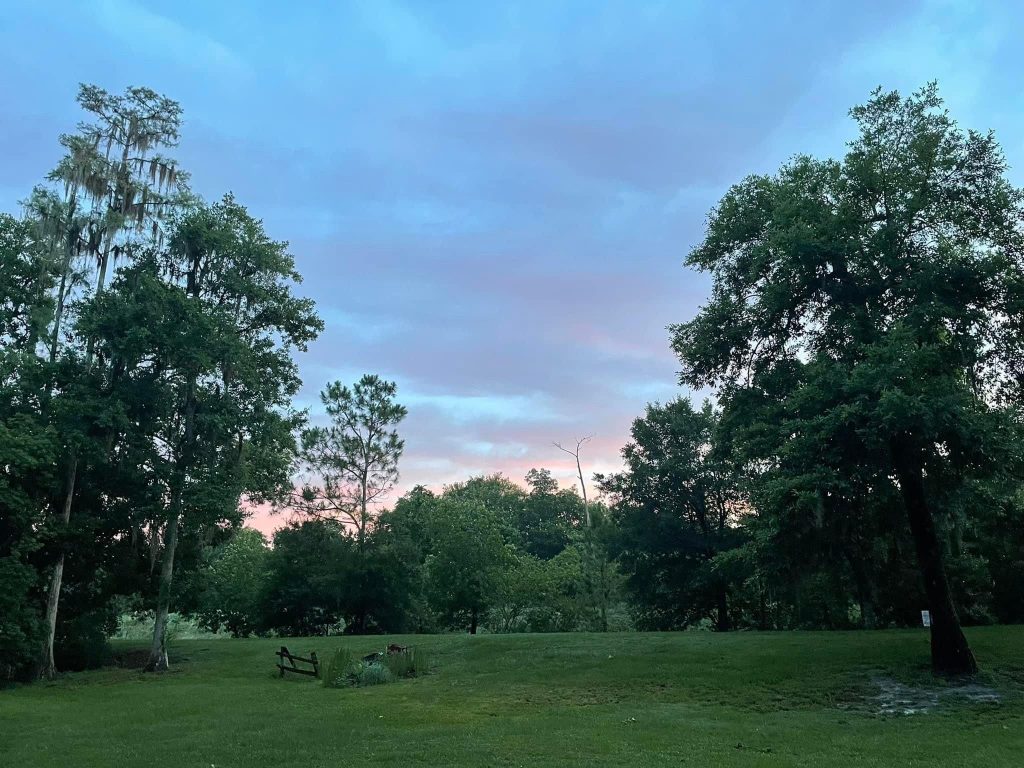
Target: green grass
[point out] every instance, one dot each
(773, 699)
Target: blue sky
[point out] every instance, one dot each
(491, 202)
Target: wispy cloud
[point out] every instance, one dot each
(465, 408)
(364, 328)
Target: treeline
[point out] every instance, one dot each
(706, 535)
(485, 553)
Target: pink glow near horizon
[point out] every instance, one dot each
(600, 455)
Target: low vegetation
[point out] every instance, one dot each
(394, 663)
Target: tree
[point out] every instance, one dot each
(505, 501)
(677, 508)
(354, 463)
(355, 459)
(113, 186)
(467, 561)
(403, 535)
(549, 516)
(306, 580)
(575, 453)
(234, 584)
(894, 281)
(28, 446)
(206, 329)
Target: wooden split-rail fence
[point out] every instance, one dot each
(284, 655)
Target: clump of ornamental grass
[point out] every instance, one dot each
(337, 673)
(409, 662)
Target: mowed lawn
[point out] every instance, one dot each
(744, 699)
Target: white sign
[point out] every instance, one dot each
(926, 618)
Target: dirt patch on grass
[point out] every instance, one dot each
(896, 698)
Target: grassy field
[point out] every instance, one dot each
(775, 699)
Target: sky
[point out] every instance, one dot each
(491, 203)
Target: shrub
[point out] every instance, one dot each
(81, 643)
(343, 670)
(372, 673)
(138, 625)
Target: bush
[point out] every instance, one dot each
(371, 673)
(81, 643)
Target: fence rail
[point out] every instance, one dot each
(284, 655)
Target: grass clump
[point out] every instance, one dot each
(410, 662)
(337, 673)
(138, 625)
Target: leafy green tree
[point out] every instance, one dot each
(677, 508)
(549, 516)
(602, 578)
(503, 498)
(537, 595)
(29, 447)
(26, 452)
(467, 562)
(206, 328)
(1003, 543)
(892, 284)
(306, 581)
(404, 535)
(117, 190)
(234, 584)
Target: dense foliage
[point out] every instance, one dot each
(865, 333)
(147, 383)
(455, 560)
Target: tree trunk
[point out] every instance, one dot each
(48, 667)
(724, 623)
(951, 655)
(158, 650)
(182, 460)
(604, 593)
(472, 622)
